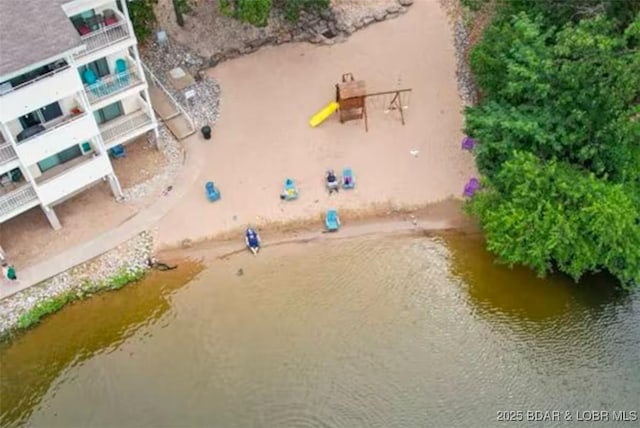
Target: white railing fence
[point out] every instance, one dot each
(124, 125)
(155, 81)
(7, 153)
(111, 84)
(104, 37)
(16, 199)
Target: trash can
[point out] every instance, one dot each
(206, 132)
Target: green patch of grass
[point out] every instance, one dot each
(123, 277)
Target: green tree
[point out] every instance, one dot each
(559, 137)
(180, 8)
(292, 8)
(548, 215)
(569, 95)
(143, 18)
(255, 12)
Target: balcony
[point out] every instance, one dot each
(66, 179)
(58, 135)
(111, 85)
(7, 154)
(17, 201)
(125, 127)
(104, 37)
(39, 92)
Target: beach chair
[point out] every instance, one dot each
(332, 221)
(121, 72)
(290, 190)
(348, 179)
(213, 194)
(118, 151)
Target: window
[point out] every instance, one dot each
(99, 67)
(43, 115)
(108, 113)
(59, 158)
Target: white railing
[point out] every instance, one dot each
(154, 80)
(104, 37)
(7, 153)
(37, 79)
(124, 125)
(17, 199)
(63, 122)
(111, 84)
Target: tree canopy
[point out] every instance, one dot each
(559, 137)
(256, 12)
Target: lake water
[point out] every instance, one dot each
(375, 331)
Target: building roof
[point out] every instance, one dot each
(32, 31)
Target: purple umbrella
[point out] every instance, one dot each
(471, 187)
(468, 143)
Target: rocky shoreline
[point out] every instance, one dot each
(461, 40)
(126, 262)
(214, 38)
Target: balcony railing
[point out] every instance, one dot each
(111, 85)
(7, 153)
(124, 125)
(16, 199)
(104, 37)
(54, 124)
(7, 90)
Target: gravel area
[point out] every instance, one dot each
(215, 37)
(205, 106)
(466, 83)
(132, 255)
(174, 155)
(352, 15)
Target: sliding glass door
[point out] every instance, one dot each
(108, 113)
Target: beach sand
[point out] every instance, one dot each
(262, 136)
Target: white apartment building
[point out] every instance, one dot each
(72, 88)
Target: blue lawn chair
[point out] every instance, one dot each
(348, 179)
(92, 80)
(213, 194)
(118, 151)
(290, 190)
(332, 221)
(121, 71)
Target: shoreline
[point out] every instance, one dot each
(105, 274)
(441, 216)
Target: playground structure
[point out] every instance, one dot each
(352, 99)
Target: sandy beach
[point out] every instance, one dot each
(262, 136)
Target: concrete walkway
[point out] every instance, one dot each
(144, 220)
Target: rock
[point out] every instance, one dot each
(303, 37)
(327, 14)
(403, 10)
(186, 243)
(380, 15)
(248, 49)
(405, 2)
(367, 20)
(394, 8)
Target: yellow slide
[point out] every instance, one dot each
(323, 114)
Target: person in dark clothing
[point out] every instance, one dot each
(252, 240)
(332, 182)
